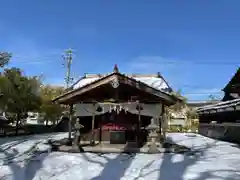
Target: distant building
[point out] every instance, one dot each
(187, 117)
(35, 118)
(177, 122)
(223, 118)
(178, 118)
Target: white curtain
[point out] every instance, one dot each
(153, 110)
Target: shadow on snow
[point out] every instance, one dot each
(25, 164)
(176, 170)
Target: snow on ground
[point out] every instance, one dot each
(216, 160)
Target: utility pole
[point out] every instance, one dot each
(68, 79)
(67, 57)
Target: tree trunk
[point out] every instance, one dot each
(47, 122)
(54, 121)
(17, 124)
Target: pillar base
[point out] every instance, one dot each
(153, 146)
(92, 142)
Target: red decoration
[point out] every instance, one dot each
(116, 127)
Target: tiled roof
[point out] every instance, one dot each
(222, 106)
(154, 81)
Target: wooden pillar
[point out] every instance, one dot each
(139, 122)
(139, 126)
(163, 122)
(93, 124)
(100, 128)
(70, 121)
(160, 120)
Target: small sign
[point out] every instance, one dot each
(114, 127)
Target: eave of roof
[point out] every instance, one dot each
(222, 105)
(201, 104)
(121, 75)
(155, 80)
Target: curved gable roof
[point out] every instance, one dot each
(155, 81)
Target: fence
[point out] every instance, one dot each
(225, 131)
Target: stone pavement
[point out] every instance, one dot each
(122, 148)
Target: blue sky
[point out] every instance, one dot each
(194, 44)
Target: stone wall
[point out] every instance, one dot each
(226, 131)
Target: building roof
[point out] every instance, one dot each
(153, 80)
(199, 104)
(230, 100)
(152, 84)
(235, 79)
(222, 106)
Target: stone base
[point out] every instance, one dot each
(149, 148)
(153, 148)
(121, 149)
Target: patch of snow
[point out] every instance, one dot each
(85, 81)
(217, 160)
(155, 82)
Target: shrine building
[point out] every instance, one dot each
(117, 107)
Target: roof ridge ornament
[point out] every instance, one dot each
(115, 70)
(159, 74)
